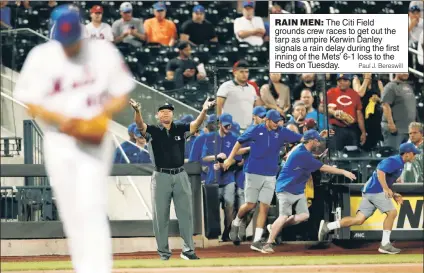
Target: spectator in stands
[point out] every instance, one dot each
(370, 92)
(420, 55)
(236, 96)
(311, 113)
(413, 172)
(182, 69)
(275, 94)
(96, 29)
(275, 9)
(399, 110)
(5, 16)
(415, 23)
(307, 80)
(198, 30)
(160, 30)
(135, 148)
(249, 28)
(217, 148)
(25, 4)
(128, 29)
(345, 110)
(296, 122)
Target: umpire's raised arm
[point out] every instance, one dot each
(138, 119)
(195, 124)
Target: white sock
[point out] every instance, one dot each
(237, 221)
(386, 237)
(333, 225)
(258, 234)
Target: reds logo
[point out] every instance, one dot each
(344, 100)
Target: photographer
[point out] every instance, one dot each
(217, 147)
(370, 91)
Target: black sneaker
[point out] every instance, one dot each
(189, 256)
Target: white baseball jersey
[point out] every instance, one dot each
(78, 87)
(103, 32)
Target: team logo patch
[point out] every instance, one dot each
(276, 135)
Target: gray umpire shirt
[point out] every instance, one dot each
(401, 98)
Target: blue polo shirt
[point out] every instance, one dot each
(214, 145)
(296, 171)
(134, 154)
(196, 154)
(189, 146)
(392, 167)
(265, 148)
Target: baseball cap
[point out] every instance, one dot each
(67, 29)
(131, 127)
(242, 64)
(408, 147)
(235, 128)
(226, 119)
(312, 134)
(248, 4)
(211, 119)
(166, 106)
(199, 8)
(186, 118)
(344, 76)
(259, 111)
(96, 9)
(159, 6)
(136, 132)
(274, 115)
(414, 8)
(126, 7)
(310, 123)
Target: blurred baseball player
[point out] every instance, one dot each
(377, 194)
(291, 182)
(75, 86)
(266, 142)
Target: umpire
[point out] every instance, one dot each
(169, 180)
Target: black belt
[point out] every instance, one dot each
(172, 171)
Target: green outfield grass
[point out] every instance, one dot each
(252, 261)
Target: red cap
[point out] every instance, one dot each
(309, 123)
(96, 8)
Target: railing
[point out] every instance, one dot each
(419, 55)
(27, 204)
(33, 151)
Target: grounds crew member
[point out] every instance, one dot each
(377, 194)
(170, 180)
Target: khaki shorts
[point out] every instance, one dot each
(287, 200)
(259, 188)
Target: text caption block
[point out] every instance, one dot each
(339, 43)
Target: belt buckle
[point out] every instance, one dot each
(172, 171)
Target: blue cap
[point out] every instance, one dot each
(67, 27)
(226, 119)
(199, 8)
(248, 4)
(259, 111)
(186, 118)
(136, 132)
(344, 76)
(408, 147)
(159, 6)
(312, 134)
(235, 128)
(414, 8)
(211, 119)
(274, 115)
(131, 127)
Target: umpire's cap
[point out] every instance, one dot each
(67, 27)
(166, 106)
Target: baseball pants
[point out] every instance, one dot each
(78, 175)
(164, 187)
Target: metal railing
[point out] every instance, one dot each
(419, 55)
(33, 151)
(27, 204)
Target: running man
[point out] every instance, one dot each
(377, 194)
(266, 141)
(291, 184)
